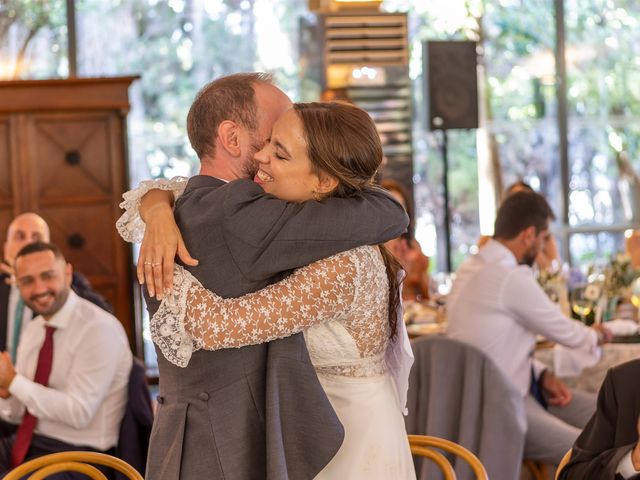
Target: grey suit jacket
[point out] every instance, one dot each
(256, 412)
(456, 392)
(612, 431)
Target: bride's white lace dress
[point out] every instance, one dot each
(341, 305)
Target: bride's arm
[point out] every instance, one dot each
(322, 291)
(148, 218)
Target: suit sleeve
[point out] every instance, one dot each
(266, 235)
(594, 455)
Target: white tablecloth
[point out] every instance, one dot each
(591, 378)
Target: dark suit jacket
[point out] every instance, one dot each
(79, 284)
(256, 412)
(612, 431)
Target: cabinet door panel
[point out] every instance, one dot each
(86, 235)
(72, 155)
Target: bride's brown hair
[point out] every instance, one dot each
(342, 141)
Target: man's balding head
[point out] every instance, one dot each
(26, 228)
(231, 119)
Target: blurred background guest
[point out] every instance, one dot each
(407, 249)
(548, 257)
(497, 306)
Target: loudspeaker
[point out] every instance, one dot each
(452, 84)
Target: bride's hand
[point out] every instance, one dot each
(162, 240)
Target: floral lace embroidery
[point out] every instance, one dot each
(370, 367)
(349, 289)
(130, 226)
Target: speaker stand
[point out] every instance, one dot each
(445, 184)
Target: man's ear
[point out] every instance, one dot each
(229, 137)
(68, 273)
(326, 183)
(529, 234)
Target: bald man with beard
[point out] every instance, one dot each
(24, 229)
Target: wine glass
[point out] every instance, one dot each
(581, 304)
(635, 292)
(443, 282)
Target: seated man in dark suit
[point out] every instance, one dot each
(14, 314)
(608, 447)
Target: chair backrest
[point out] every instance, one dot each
(417, 441)
(72, 461)
(436, 457)
(457, 393)
(563, 462)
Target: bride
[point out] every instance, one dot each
(347, 305)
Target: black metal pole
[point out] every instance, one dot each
(563, 123)
(445, 183)
(71, 37)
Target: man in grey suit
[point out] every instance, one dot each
(255, 412)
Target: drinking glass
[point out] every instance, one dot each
(580, 304)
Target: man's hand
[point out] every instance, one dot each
(604, 334)
(635, 454)
(7, 372)
(557, 392)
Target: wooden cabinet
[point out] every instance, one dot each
(63, 155)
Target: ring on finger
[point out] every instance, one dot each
(148, 263)
(156, 264)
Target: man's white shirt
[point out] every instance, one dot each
(87, 393)
(497, 306)
(625, 467)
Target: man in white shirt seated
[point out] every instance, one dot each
(68, 390)
(497, 306)
(27, 228)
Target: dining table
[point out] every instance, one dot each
(622, 349)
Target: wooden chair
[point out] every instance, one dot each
(419, 442)
(47, 465)
(537, 469)
(563, 462)
(436, 457)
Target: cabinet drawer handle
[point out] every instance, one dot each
(76, 241)
(72, 157)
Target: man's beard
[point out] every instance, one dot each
(249, 168)
(59, 299)
(250, 165)
(529, 258)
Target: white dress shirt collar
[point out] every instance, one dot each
(497, 253)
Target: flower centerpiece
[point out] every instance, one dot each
(554, 284)
(615, 283)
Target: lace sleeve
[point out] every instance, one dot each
(130, 226)
(195, 318)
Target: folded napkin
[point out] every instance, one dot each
(622, 328)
